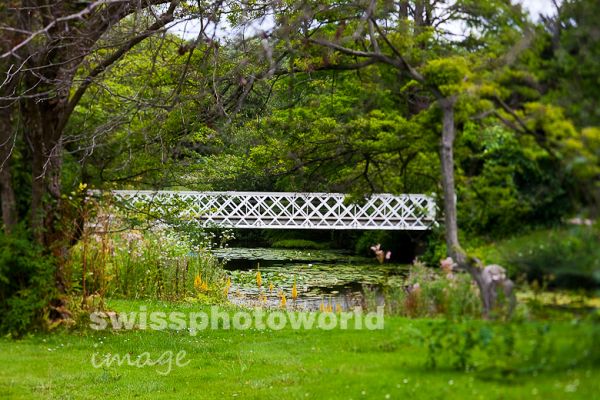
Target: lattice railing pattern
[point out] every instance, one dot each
(289, 210)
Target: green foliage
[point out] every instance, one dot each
(504, 351)
(167, 120)
(154, 120)
(26, 284)
(298, 244)
(507, 184)
(562, 257)
(584, 152)
(446, 74)
(573, 57)
(343, 133)
(435, 247)
(570, 258)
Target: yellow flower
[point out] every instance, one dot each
(271, 287)
(322, 306)
(294, 291)
(227, 286)
(283, 300)
(204, 286)
(197, 281)
(258, 279)
(338, 308)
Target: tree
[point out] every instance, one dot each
(342, 131)
(572, 55)
(155, 120)
(410, 38)
(45, 47)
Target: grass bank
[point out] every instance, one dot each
(351, 364)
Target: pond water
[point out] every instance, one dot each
(324, 278)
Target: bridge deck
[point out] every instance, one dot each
(284, 210)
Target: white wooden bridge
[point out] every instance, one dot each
(262, 210)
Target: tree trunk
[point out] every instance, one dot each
(42, 119)
(43, 135)
(7, 193)
(7, 136)
(447, 164)
(34, 137)
(403, 9)
(450, 215)
(418, 15)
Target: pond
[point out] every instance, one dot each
(324, 278)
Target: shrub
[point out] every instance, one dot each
(26, 284)
(570, 258)
(507, 350)
(426, 292)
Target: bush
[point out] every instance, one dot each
(567, 258)
(426, 292)
(26, 284)
(509, 350)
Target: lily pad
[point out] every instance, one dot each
(320, 276)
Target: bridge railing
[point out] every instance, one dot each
(288, 210)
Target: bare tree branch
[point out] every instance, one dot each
(154, 28)
(79, 15)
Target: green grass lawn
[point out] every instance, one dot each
(286, 364)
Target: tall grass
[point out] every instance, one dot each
(151, 264)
